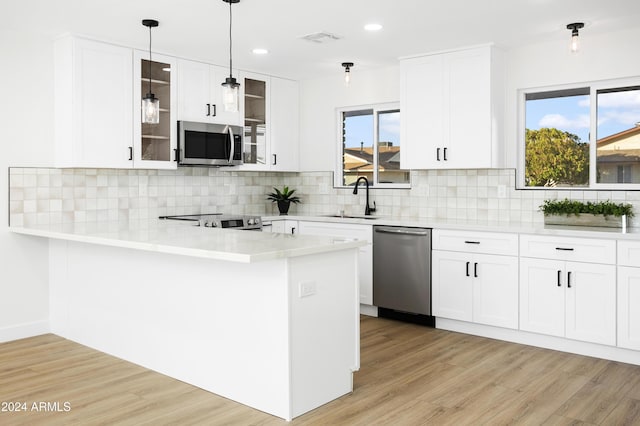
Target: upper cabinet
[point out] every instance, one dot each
(200, 94)
(270, 110)
(255, 91)
(284, 125)
(155, 145)
(452, 108)
(93, 104)
(98, 116)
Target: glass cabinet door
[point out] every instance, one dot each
(255, 127)
(155, 144)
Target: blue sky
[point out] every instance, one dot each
(617, 111)
(360, 128)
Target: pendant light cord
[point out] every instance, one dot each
(230, 42)
(149, 59)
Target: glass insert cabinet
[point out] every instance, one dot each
(155, 145)
(255, 121)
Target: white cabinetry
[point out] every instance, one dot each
(452, 108)
(155, 145)
(568, 288)
(200, 93)
(365, 255)
(93, 104)
(285, 226)
(629, 294)
(284, 125)
(475, 277)
(270, 110)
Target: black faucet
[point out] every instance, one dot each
(367, 210)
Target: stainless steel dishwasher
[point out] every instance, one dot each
(402, 273)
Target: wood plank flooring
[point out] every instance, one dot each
(410, 375)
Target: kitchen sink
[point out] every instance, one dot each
(345, 216)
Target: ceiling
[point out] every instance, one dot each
(199, 28)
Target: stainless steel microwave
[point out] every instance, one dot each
(205, 144)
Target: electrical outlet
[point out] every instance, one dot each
(502, 191)
(307, 288)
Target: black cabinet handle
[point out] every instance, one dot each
(468, 268)
(568, 279)
(472, 242)
(444, 151)
(475, 270)
(564, 248)
(215, 110)
(559, 272)
(438, 154)
(175, 153)
(208, 110)
(130, 153)
(293, 230)
(275, 159)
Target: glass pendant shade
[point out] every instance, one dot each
(150, 109)
(230, 95)
(575, 43)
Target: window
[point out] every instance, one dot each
(359, 156)
(582, 137)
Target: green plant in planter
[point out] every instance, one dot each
(568, 207)
(284, 198)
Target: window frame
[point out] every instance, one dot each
(594, 87)
(338, 174)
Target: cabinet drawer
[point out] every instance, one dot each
(563, 248)
(629, 253)
(475, 242)
(360, 232)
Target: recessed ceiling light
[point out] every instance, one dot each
(260, 51)
(373, 27)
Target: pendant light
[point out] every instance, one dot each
(150, 104)
(230, 87)
(347, 72)
(575, 45)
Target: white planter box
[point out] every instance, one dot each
(587, 219)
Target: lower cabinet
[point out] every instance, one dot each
(365, 255)
(568, 299)
(286, 226)
(629, 307)
(473, 287)
(475, 277)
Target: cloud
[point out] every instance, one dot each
(627, 99)
(625, 117)
(559, 121)
(390, 123)
(585, 102)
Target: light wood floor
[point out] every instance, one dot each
(410, 375)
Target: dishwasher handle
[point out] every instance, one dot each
(402, 232)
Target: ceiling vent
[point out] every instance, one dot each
(321, 37)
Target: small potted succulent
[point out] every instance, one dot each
(284, 198)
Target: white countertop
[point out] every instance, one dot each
(185, 239)
(472, 225)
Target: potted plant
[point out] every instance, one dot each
(284, 198)
(600, 213)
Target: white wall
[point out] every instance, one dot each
(604, 57)
(319, 99)
(26, 112)
(601, 57)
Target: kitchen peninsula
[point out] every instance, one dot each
(267, 320)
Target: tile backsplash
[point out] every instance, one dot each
(40, 196)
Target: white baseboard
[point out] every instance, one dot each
(22, 331)
(549, 342)
(369, 310)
